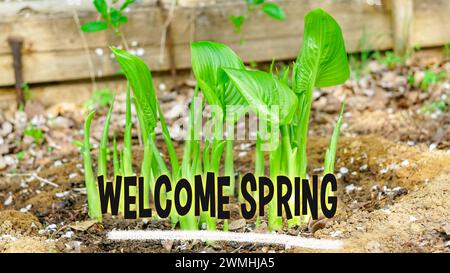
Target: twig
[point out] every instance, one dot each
(164, 30)
(35, 176)
(86, 48)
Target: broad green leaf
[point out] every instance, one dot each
(126, 4)
(94, 26)
(274, 11)
(322, 62)
(323, 58)
(207, 60)
(141, 82)
(102, 7)
(262, 90)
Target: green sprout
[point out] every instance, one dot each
(93, 199)
(431, 78)
(34, 132)
(439, 105)
(21, 155)
(100, 98)
(111, 17)
(390, 59)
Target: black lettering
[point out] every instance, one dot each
(329, 213)
(108, 195)
(129, 181)
(264, 199)
(163, 180)
(283, 200)
(183, 184)
(221, 199)
(205, 199)
(248, 178)
(143, 212)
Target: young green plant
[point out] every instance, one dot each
(208, 58)
(93, 199)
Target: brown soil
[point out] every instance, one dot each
(18, 222)
(392, 165)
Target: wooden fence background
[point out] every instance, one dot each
(54, 50)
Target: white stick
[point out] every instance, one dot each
(259, 238)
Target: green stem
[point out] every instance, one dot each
(103, 148)
(94, 208)
(275, 222)
(229, 166)
(146, 170)
(259, 171)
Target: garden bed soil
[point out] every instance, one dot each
(393, 170)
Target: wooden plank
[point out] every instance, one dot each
(402, 16)
(54, 51)
(58, 31)
(72, 65)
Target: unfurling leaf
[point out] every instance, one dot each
(262, 91)
(207, 60)
(141, 82)
(323, 58)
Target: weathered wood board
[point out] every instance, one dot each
(54, 51)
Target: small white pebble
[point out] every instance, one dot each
(62, 194)
(343, 170)
(412, 218)
(8, 201)
(432, 146)
(162, 86)
(336, 233)
(411, 143)
(51, 227)
(140, 52)
(72, 175)
(68, 234)
(99, 51)
(350, 188)
(242, 154)
(26, 209)
(387, 211)
(405, 163)
(57, 163)
(363, 167)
